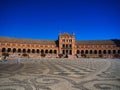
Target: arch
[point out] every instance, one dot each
(82, 51)
(100, 52)
(24, 50)
(91, 51)
(28, 51)
(67, 52)
(42, 51)
(55, 51)
(70, 52)
(50, 51)
(86, 51)
(66, 45)
(63, 51)
(63, 45)
(118, 51)
(95, 51)
(104, 51)
(3, 49)
(14, 50)
(9, 50)
(109, 51)
(114, 51)
(38, 51)
(33, 50)
(46, 51)
(70, 45)
(78, 52)
(19, 50)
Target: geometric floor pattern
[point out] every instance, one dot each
(60, 74)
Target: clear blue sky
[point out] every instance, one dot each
(44, 19)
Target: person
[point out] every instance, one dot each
(19, 58)
(1, 59)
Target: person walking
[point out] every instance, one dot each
(19, 58)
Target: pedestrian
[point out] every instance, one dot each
(1, 59)
(19, 58)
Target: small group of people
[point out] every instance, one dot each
(2, 58)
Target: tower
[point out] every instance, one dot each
(66, 44)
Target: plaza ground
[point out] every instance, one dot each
(60, 74)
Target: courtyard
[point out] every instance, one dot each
(60, 74)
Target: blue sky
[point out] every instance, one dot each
(45, 19)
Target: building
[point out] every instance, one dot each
(65, 46)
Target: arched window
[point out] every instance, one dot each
(24, 50)
(19, 50)
(70, 46)
(67, 52)
(78, 52)
(109, 51)
(46, 51)
(3, 49)
(82, 51)
(42, 51)
(86, 51)
(91, 52)
(55, 51)
(95, 51)
(50, 51)
(118, 51)
(14, 50)
(104, 51)
(100, 52)
(70, 52)
(63, 51)
(66, 45)
(33, 50)
(38, 51)
(63, 45)
(114, 51)
(9, 49)
(28, 51)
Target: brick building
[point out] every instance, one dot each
(65, 46)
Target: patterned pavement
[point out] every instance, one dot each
(60, 74)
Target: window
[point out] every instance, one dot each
(46, 51)
(114, 51)
(28, 51)
(95, 51)
(66, 45)
(24, 50)
(63, 51)
(104, 51)
(37, 50)
(70, 46)
(3, 50)
(70, 52)
(9, 49)
(100, 52)
(14, 50)
(78, 52)
(19, 50)
(91, 52)
(82, 52)
(63, 40)
(109, 51)
(86, 51)
(55, 51)
(63, 45)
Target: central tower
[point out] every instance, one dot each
(66, 44)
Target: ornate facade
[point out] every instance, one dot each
(65, 46)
